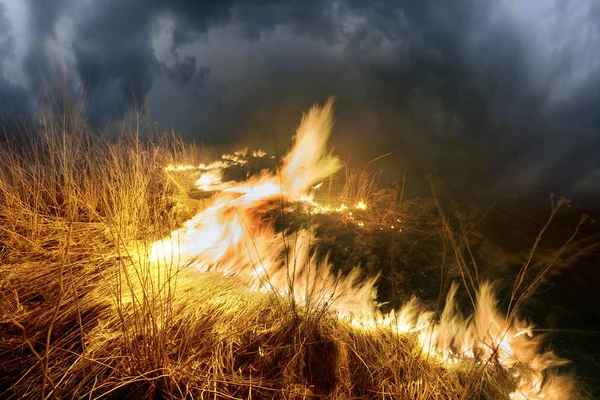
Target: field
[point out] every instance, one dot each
(133, 267)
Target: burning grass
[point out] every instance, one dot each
(107, 293)
(207, 335)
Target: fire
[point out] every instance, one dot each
(230, 237)
(210, 180)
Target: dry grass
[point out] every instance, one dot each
(83, 314)
(199, 335)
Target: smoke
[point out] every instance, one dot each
(477, 91)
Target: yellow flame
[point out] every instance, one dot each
(258, 153)
(230, 237)
(179, 167)
(209, 180)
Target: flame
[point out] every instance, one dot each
(230, 237)
(259, 153)
(210, 180)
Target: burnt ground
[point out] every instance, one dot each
(568, 305)
(414, 258)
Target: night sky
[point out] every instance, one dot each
(499, 93)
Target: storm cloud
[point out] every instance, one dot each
(494, 91)
(13, 99)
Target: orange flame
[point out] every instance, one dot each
(229, 237)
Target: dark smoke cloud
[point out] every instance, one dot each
(7, 40)
(13, 98)
(40, 63)
(479, 91)
(114, 58)
(183, 71)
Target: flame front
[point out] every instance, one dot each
(231, 237)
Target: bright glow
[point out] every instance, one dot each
(230, 237)
(258, 153)
(209, 180)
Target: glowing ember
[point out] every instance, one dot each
(230, 237)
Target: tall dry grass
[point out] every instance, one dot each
(83, 314)
(73, 205)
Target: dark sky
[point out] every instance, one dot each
(500, 91)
